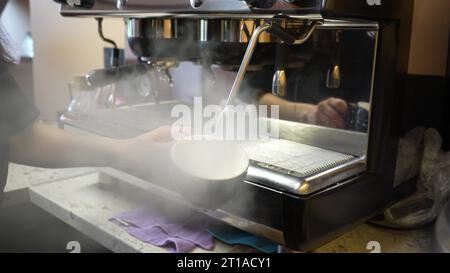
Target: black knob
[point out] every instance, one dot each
(263, 4)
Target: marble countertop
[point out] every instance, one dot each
(87, 205)
(83, 199)
(390, 241)
(21, 178)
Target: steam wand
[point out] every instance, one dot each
(114, 58)
(278, 32)
(116, 52)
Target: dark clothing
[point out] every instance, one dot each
(16, 114)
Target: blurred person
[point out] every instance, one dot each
(23, 140)
(326, 111)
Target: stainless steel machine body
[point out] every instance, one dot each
(315, 182)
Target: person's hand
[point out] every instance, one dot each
(330, 113)
(147, 156)
(160, 135)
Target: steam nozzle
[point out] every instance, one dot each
(334, 77)
(334, 72)
(279, 83)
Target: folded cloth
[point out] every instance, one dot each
(179, 236)
(234, 236)
(9, 50)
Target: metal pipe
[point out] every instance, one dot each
(246, 61)
(307, 34)
(276, 31)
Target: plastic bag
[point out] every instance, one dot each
(409, 156)
(433, 186)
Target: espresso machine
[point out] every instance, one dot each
(315, 182)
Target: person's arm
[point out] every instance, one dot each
(288, 110)
(41, 145)
(329, 112)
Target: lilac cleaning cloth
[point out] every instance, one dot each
(179, 236)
